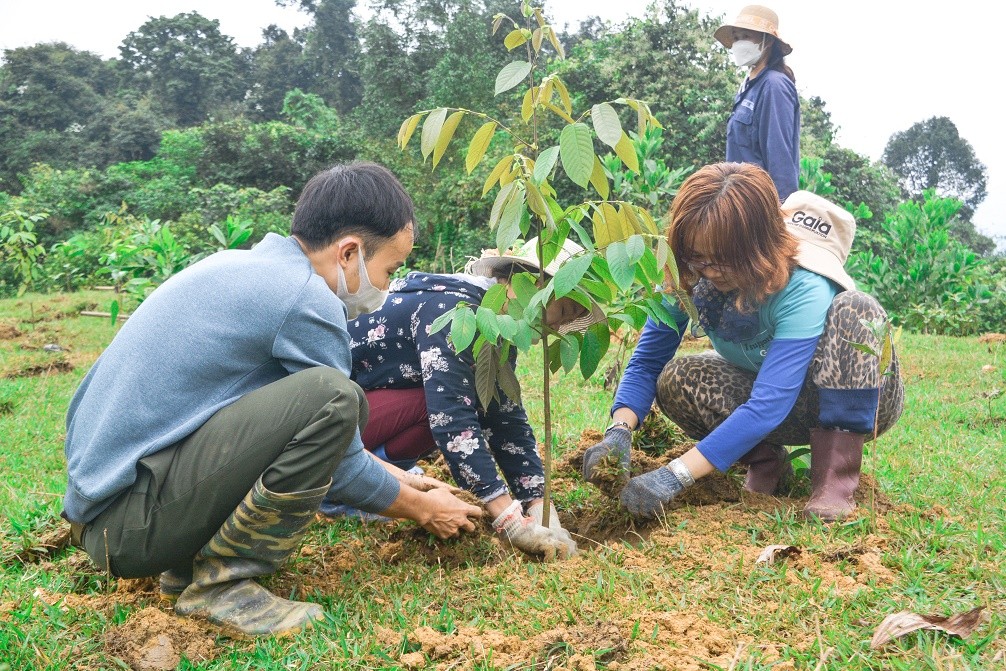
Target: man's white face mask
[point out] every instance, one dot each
(367, 298)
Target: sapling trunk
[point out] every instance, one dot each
(546, 453)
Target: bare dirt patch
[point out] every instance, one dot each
(153, 640)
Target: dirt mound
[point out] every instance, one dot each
(9, 331)
(151, 639)
(671, 640)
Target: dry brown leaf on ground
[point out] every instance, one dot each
(774, 552)
(905, 622)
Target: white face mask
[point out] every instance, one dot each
(367, 298)
(745, 53)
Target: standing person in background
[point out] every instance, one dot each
(422, 394)
(764, 127)
(783, 316)
(201, 443)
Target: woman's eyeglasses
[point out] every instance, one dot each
(697, 266)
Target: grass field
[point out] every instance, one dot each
(683, 593)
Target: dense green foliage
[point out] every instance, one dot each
(185, 129)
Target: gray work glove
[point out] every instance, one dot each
(646, 495)
(615, 446)
(527, 535)
(535, 512)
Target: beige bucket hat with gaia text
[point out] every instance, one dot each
(753, 17)
(825, 232)
(525, 259)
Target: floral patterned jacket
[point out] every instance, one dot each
(394, 349)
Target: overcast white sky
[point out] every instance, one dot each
(879, 65)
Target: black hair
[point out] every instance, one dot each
(358, 198)
(777, 60)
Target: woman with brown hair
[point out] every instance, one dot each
(782, 315)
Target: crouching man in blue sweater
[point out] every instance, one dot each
(203, 440)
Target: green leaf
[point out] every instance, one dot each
(524, 289)
(502, 198)
(508, 381)
(635, 247)
(511, 75)
(487, 323)
(495, 298)
(486, 372)
(606, 124)
(446, 133)
(569, 351)
(509, 223)
(576, 149)
(431, 130)
(543, 166)
(479, 145)
(570, 274)
(524, 337)
(114, 310)
(508, 327)
(595, 345)
(620, 266)
(463, 328)
(442, 321)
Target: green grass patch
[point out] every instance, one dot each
(682, 594)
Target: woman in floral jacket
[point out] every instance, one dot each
(422, 396)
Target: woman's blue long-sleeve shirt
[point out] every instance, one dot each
(791, 322)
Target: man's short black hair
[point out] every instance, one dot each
(359, 198)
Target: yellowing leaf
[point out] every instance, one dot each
(527, 105)
(561, 113)
(446, 133)
(567, 103)
(613, 222)
(494, 176)
(625, 150)
(535, 200)
(599, 180)
(407, 129)
(555, 42)
(514, 39)
(536, 38)
(601, 237)
(479, 145)
(431, 130)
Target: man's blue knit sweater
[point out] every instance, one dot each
(227, 325)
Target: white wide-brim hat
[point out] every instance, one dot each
(825, 232)
(525, 257)
(753, 17)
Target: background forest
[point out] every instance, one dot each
(124, 171)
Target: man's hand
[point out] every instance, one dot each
(425, 483)
(614, 451)
(535, 511)
(445, 515)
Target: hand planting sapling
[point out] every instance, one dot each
(621, 269)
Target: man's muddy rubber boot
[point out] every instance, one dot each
(173, 582)
(256, 540)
